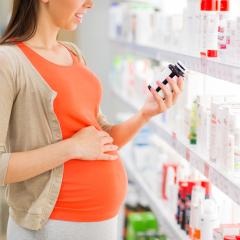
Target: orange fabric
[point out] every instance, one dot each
(91, 190)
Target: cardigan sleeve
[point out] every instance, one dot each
(7, 96)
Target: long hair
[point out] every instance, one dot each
(23, 23)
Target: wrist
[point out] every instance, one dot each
(144, 118)
(70, 148)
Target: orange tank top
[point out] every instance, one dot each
(91, 190)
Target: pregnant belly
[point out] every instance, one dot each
(92, 188)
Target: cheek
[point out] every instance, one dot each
(63, 11)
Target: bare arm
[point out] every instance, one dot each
(86, 144)
(122, 133)
(25, 165)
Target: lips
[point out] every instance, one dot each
(79, 15)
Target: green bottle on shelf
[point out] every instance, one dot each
(193, 124)
(140, 225)
(136, 226)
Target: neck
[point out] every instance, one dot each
(46, 33)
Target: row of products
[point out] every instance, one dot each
(210, 27)
(227, 232)
(197, 214)
(213, 120)
(181, 189)
(215, 127)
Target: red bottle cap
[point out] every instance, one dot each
(237, 237)
(203, 54)
(224, 5)
(212, 53)
(229, 238)
(191, 184)
(207, 186)
(184, 190)
(209, 5)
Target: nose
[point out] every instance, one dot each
(88, 4)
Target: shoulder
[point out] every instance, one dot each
(75, 49)
(8, 58)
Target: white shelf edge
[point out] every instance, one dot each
(169, 224)
(217, 177)
(227, 72)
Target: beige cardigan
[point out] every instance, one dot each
(28, 121)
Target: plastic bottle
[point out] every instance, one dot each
(172, 189)
(207, 186)
(193, 124)
(171, 71)
(192, 27)
(209, 27)
(236, 165)
(191, 184)
(198, 196)
(209, 219)
(222, 29)
(181, 213)
(223, 18)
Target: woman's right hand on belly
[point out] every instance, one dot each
(92, 144)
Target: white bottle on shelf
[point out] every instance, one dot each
(209, 219)
(198, 196)
(222, 29)
(209, 28)
(236, 165)
(231, 123)
(213, 129)
(172, 190)
(191, 23)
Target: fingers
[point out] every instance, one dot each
(103, 134)
(109, 148)
(158, 99)
(180, 83)
(107, 140)
(108, 157)
(176, 90)
(167, 94)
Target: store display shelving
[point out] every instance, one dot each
(225, 182)
(158, 207)
(213, 68)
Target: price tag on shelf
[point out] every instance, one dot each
(225, 185)
(174, 138)
(188, 154)
(224, 73)
(235, 195)
(236, 76)
(206, 170)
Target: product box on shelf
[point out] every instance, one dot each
(226, 230)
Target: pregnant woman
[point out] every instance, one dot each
(58, 154)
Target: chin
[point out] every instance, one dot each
(70, 28)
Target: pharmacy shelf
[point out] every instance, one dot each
(168, 223)
(225, 182)
(149, 2)
(212, 68)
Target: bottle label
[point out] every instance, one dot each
(237, 161)
(209, 30)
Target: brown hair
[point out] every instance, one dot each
(23, 23)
